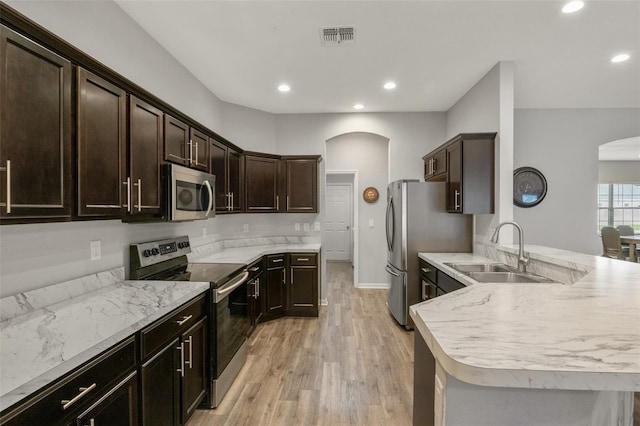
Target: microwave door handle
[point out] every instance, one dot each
(210, 206)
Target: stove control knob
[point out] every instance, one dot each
(180, 245)
(146, 253)
(155, 251)
(186, 244)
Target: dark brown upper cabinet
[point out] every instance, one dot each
(199, 146)
(142, 184)
(185, 145)
(176, 141)
(35, 131)
(261, 183)
(226, 166)
(469, 172)
(300, 184)
(435, 165)
(101, 139)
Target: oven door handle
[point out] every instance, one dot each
(233, 284)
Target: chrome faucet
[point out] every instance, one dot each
(523, 259)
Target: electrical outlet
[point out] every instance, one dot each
(371, 223)
(204, 232)
(96, 249)
(317, 226)
(297, 226)
(245, 227)
(306, 226)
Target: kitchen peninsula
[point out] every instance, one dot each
(543, 353)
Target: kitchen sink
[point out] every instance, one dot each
(507, 277)
(496, 273)
(480, 267)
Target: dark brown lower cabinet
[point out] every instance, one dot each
(119, 407)
(303, 285)
(161, 387)
(275, 286)
(194, 378)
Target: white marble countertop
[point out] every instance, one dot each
(584, 335)
(43, 344)
(247, 255)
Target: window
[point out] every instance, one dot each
(619, 204)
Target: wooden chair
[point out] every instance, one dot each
(627, 230)
(611, 245)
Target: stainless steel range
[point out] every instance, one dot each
(229, 320)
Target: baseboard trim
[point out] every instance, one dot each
(373, 285)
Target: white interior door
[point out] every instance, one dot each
(338, 232)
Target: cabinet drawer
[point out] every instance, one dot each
(276, 260)
(162, 331)
(303, 259)
(427, 271)
(78, 389)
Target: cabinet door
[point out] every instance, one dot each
(194, 381)
(199, 150)
(145, 156)
(259, 300)
(454, 177)
(439, 162)
(303, 291)
(275, 291)
(301, 186)
(218, 153)
(118, 407)
(101, 139)
(234, 161)
(261, 184)
(161, 387)
(176, 140)
(35, 130)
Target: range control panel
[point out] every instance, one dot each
(152, 252)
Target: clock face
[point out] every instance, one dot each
(529, 187)
(370, 194)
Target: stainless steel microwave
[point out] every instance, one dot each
(189, 194)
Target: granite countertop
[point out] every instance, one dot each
(249, 254)
(582, 335)
(41, 344)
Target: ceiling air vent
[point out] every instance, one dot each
(335, 36)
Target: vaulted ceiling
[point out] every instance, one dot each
(433, 50)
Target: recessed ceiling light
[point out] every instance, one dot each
(358, 106)
(573, 6)
(389, 85)
(620, 58)
(284, 88)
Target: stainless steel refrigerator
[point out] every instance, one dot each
(417, 221)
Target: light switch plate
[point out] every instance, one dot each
(297, 226)
(306, 226)
(317, 226)
(96, 249)
(371, 223)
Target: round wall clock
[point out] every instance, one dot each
(370, 195)
(529, 187)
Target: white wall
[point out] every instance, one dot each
(619, 171)
(563, 145)
(249, 128)
(488, 107)
(368, 154)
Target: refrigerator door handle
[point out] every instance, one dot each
(390, 271)
(390, 224)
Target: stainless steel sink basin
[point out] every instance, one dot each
(480, 267)
(507, 277)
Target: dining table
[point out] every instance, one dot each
(633, 241)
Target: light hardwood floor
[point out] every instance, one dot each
(351, 366)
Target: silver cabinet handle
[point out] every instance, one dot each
(190, 151)
(278, 202)
(435, 165)
(291, 282)
(287, 203)
(184, 319)
(8, 170)
(139, 185)
(92, 422)
(254, 269)
(181, 369)
(66, 403)
(190, 362)
(128, 205)
(257, 292)
(277, 260)
(232, 200)
(197, 164)
(302, 259)
(455, 199)
(425, 269)
(284, 280)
